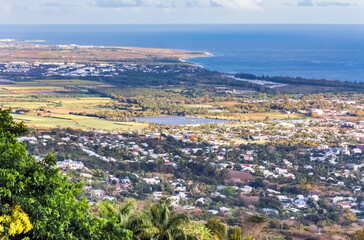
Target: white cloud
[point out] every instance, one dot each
(6, 6)
(181, 11)
(321, 3)
(238, 4)
(35, 5)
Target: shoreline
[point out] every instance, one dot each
(264, 83)
(186, 60)
(183, 56)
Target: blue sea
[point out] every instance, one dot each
(334, 52)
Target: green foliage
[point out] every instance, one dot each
(199, 232)
(41, 191)
(155, 222)
(257, 219)
(217, 227)
(269, 202)
(163, 225)
(7, 125)
(228, 191)
(235, 233)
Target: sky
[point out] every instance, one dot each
(181, 11)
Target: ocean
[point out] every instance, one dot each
(333, 52)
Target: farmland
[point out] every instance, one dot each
(76, 122)
(85, 104)
(48, 103)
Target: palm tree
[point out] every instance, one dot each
(217, 228)
(162, 225)
(123, 217)
(157, 223)
(199, 232)
(109, 222)
(126, 211)
(235, 233)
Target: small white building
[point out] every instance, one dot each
(98, 193)
(151, 181)
(69, 164)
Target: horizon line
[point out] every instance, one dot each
(3, 24)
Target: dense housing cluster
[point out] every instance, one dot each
(303, 167)
(13, 70)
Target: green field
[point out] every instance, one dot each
(48, 103)
(82, 104)
(77, 122)
(58, 82)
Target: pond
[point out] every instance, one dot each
(176, 120)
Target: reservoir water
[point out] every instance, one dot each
(176, 120)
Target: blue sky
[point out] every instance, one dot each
(181, 11)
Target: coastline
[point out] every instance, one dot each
(251, 52)
(187, 60)
(267, 84)
(72, 53)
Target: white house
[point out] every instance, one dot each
(224, 209)
(214, 212)
(270, 211)
(151, 180)
(69, 164)
(157, 195)
(98, 193)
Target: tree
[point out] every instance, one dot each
(17, 222)
(120, 218)
(348, 217)
(199, 232)
(217, 227)
(7, 124)
(235, 233)
(228, 191)
(163, 225)
(53, 205)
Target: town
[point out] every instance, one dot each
(307, 170)
(12, 70)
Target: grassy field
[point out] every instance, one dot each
(77, 122)
(58, 82)
(48, 103)
(20, 88)
(65, 103)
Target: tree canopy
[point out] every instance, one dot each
(38, 191)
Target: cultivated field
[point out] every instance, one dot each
(53, 103)
(74, 103)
